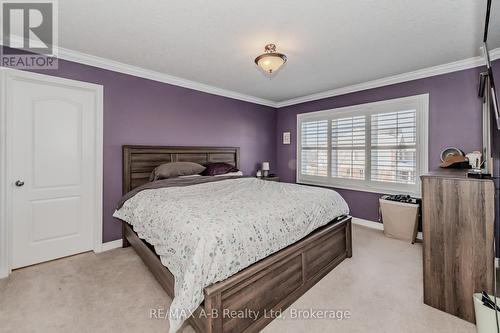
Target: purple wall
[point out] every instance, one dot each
(140, 111)
(455, 120)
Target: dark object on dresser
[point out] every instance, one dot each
(478, 174)
(458, 219)
(273, 283)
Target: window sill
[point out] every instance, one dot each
(361, 188)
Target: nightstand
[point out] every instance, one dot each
(271, 179)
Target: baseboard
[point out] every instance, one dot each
(112, 245)
(374, 225)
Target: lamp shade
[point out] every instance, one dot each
(265, 166)
(270, 62)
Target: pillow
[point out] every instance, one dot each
(176, 169)
(214, 169)
(232, 174)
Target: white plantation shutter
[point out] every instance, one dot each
(393, 147)
(314, 143)
(348, 147)
(377, 147)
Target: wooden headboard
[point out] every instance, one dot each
(140, 161)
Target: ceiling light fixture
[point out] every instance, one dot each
(270, 61)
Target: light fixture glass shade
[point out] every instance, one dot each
(265, 166)
(270, 61)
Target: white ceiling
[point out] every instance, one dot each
(329, 43)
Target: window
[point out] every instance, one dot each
(378, 147)
(314, 138)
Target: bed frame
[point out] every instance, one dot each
(268, 286)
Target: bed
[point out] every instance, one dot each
(263, 288)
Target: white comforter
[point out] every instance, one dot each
(207, 232)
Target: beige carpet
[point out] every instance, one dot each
(381, 287)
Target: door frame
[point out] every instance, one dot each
(6, 149)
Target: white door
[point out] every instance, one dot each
(53, 146)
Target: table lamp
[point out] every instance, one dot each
(265, 169)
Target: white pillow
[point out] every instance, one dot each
(229, 174)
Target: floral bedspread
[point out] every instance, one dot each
(207, 232)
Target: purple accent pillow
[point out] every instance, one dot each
(220, 168)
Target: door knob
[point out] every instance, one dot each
(19, 183)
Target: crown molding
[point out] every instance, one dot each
(410, 76)
(116, 66)
(108, 64)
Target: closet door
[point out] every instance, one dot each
(53, 150)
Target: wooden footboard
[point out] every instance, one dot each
(266, 287)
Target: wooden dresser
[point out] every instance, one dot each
(458, 226)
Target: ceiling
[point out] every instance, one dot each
(329, 43)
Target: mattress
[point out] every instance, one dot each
(207, 231)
